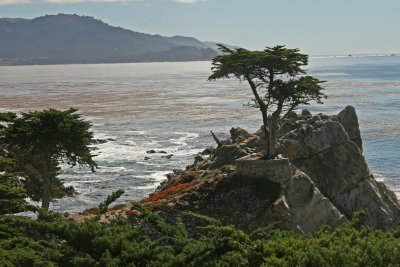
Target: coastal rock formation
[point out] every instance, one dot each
(301, 207)
(323, 182)
(329, 150)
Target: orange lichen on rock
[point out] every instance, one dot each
(167, 193)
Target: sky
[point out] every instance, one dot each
(316, 27)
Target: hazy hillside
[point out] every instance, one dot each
(214, 45)
(58, 39)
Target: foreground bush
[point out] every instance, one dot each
(56, 242)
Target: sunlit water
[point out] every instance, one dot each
(172, 107)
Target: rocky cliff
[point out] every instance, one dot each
(320, 178)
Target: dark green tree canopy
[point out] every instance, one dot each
(276, 78)
(61, 134)
(12, 197)
(39, 141)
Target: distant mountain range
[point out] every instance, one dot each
(65, 39)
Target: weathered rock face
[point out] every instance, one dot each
(331, 154)
(226, 155)
(327, 179)
(348, 118)
(301, 207)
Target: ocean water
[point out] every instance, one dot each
(172, 107)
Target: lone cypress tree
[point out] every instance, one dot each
(277, 80)
(40, 141)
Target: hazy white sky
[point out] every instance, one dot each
(314, 26)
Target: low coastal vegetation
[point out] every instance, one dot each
(150, 241)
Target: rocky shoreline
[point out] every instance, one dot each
(320, 178)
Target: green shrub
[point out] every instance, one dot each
(53, 241)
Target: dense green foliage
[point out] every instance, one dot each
(12, 197)
(103, 207)
(56, 242)
(40, 141)
(276, 78)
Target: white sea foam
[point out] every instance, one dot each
(379, 177)
(137, 132)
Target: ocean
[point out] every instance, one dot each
(172, 107)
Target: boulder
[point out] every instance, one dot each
(302, 207)
(305, 112)
(226, 155)
(292, 115)
(306, 140)
(238, 135)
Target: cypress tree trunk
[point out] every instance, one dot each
(273, 124)
(267, 132)
(46, 193)
(264, 111)
(46, 176)
(271, 145)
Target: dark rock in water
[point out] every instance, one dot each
(69, 191)
(306, 112)
(102, 141)
(167, 156)
(152, 151)
(147, 158)
(99, 141)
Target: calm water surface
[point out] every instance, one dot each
(172, 107)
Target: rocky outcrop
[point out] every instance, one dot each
(348, 118)
(302, 208)
(329, 150)
(326, 181)
(226, 155)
